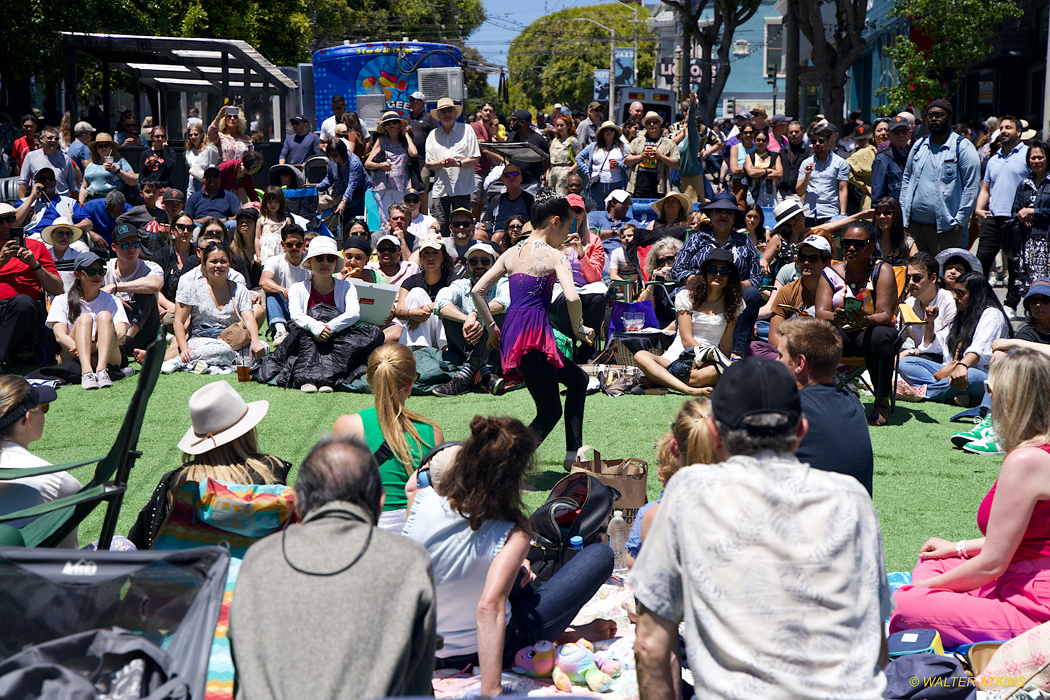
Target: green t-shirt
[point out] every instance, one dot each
(392, 473)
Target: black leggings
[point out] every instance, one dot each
(542, 379)
(875, 345)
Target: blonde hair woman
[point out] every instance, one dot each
(689, 442)
(221, 444)
(405, 434)
(229, 133)
(199, 155)
(996, 586)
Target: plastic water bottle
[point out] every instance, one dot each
(618, 541)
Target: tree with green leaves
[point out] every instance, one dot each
(836, 47)
(711, 24)
(957, 31)
(554, 58)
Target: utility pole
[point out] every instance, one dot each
(791, 50)
(612, 62)
(772, 78)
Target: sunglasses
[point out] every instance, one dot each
(809, 258)
(49, 138)
(853, 243)
(413, 200)
(292, 246)
(511, 227)
(665, 261)
(45, 407)
(747, 133)
(8, 219)
(483, 262)
(326, 258)
(460, 224)
(820, 139)
(512, 173)
(446, 110)
(61, 232)
(45, 178)
(916, 278)
(959, 293)
(183, 227)
(387, 250)
(211, 245)
(718, 271)
(652, 123)
(104, 145)
(94, 271)
(124, 245)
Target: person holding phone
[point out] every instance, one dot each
(859, 296)
(27, 270)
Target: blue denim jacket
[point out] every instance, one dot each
(958, 182)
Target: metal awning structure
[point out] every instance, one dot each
(184, 64)
(179, 64)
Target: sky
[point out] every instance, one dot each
(507, 19)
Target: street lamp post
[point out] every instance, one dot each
(772, 79)
(612, 62)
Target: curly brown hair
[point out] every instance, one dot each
(485, 479)
(732, 297)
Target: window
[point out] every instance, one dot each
(774, 44)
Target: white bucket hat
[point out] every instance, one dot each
(58, 223)
(219, 416)
(322, 245)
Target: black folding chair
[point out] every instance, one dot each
(56, 519)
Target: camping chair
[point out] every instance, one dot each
(68, 613)
(56, 519)
(906, 318)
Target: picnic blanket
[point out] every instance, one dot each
(607, 604)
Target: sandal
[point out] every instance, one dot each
(879, 415)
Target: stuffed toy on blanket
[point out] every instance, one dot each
(567, 664)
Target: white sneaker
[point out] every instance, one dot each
(325, 390)
(103, 380)
(279, 337)
(170, 366)
(88, 381)
(987, 445)
(308, 388)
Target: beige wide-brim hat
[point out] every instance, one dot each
(446, 102)
(219, 416)
(61, 222)
(609, 125)
(391, 117)
(684, 202)
(650, 116)
(322, 245)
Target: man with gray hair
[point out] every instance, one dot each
(103, 214)
(777, 569)
(334, 607)
(49, 155)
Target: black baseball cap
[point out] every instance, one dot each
(863, 131)
(523, 114)
(173, 195)
(899, 123)
(122, 231)
(752, 386)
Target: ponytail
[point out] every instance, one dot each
(73, 301)
(390, 368)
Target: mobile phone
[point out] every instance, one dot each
(231, 112)
(852, 304)
(17, 234)
(792, 311)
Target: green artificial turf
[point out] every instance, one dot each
(923, 486)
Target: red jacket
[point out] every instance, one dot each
(228, 179)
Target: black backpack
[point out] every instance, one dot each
(584, 505)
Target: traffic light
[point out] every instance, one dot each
(730, 106)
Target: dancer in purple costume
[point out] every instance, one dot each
(527, 340)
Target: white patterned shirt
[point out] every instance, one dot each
(778, 572)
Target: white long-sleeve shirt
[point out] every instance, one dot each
(345, 301)
(990, 327)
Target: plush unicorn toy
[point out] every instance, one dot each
(567, 664)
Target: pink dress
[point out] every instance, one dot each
(1012, 604)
